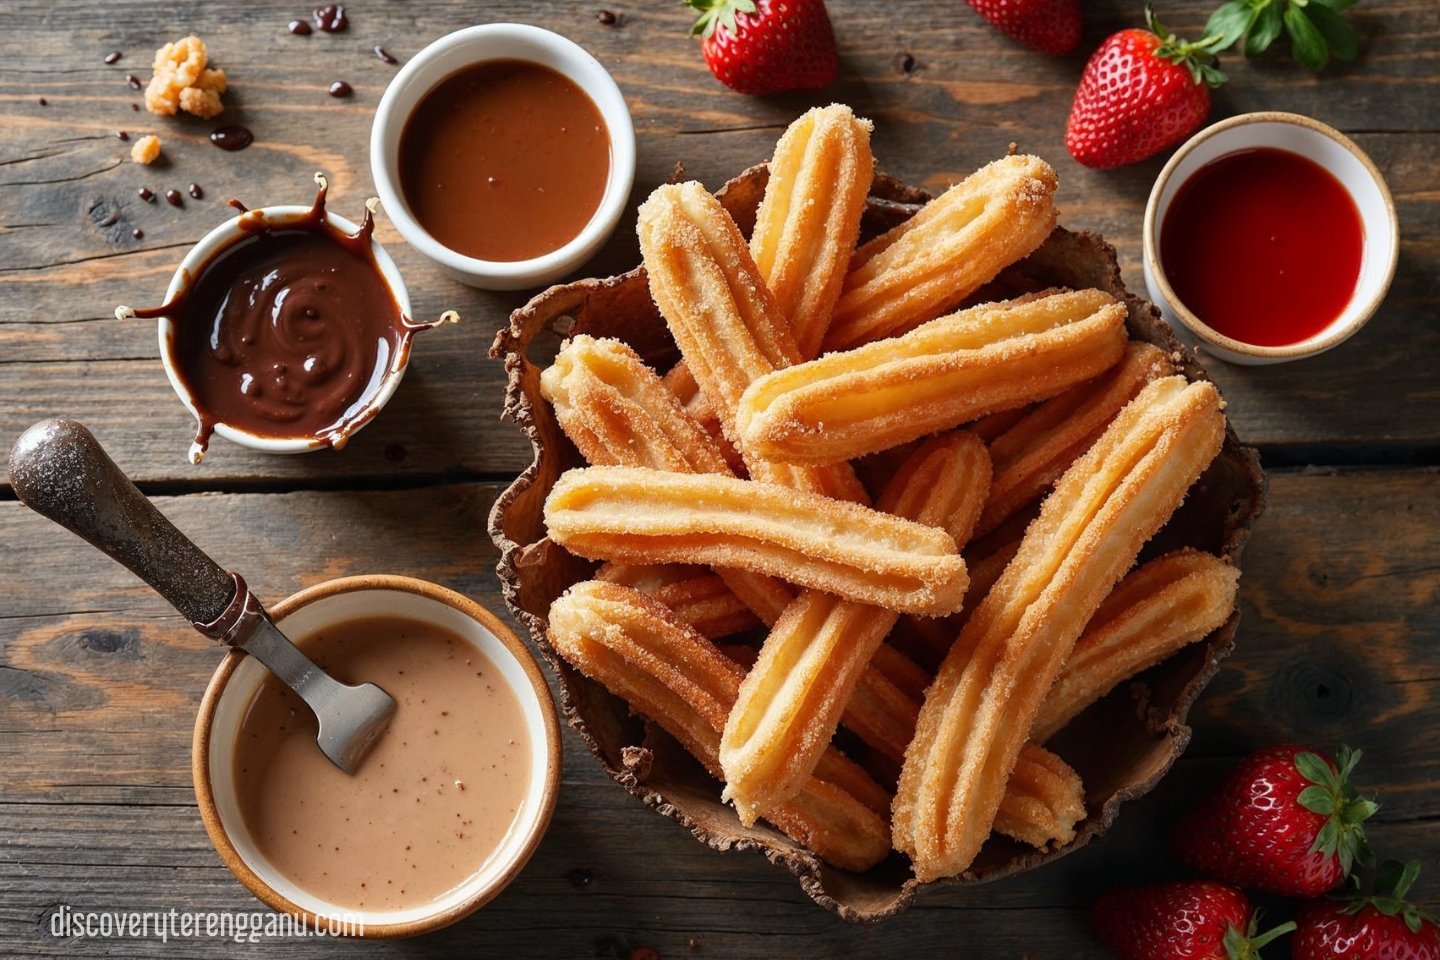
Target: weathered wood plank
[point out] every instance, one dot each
(99, 683)
(971, 92)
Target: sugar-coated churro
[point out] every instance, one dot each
(1035, 451)
(792, 699)
(958, 241)
(940, 375)
(636, 515)
(692, 593)
(809, 219)
(635, 647)
(723, 317)
(1044, 800)
(979, 710)
(1172, 601)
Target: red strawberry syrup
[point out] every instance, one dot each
(1264, 246)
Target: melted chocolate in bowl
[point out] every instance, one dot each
(433, 800)
(288, 331)
(505, 160)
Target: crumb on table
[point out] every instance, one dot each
(183, 82)
(146, 149)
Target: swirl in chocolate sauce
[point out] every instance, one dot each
(288, 331)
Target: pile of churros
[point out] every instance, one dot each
(952, 612)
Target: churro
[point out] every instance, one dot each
(1172, 601)
(940, 375)
(668, 673)
(791, 701)
(636, 515)
(957, 242)
(723, 317)
(694, 594)
(1035, 451)
(809, 219)
(979, 710)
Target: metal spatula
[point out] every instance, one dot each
(60, 471)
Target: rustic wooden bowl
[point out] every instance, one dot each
(1121, 752)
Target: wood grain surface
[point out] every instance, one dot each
(99, 680)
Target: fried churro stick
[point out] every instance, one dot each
(989, 690)
(959, 241)
(940, 375)
(692, 593)
(1172, 601)
(636, 515)
(668, 673)
(791, 701)
(618, 412)
(1034, 452)
(723, 317)
(809, 219)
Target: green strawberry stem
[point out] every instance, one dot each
(1246, 946)
(714, 12)
(1333, 796)
(1197, 57)
(1317, 31)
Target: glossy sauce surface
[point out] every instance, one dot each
(432, 801)
(1265, 246)
(504, 160)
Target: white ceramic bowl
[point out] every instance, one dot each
(189, 269)
(496, 41)
(239, 676)
(1314, 141)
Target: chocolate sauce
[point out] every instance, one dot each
(113, 57)
(299, 27)
(232, 202)
(331, 19)
(44, 102)
(137, 233)
(135, 107)
(174, 198)
(504, 160)
(195, 191)
(122, 134)
(607, 18)
(380, 52)
(146, 194)
(288, 331)
(134, 82)
(340, 89)
(232, 138)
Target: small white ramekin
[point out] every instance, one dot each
(189, 270)
(226, 700)
(1314, 141)
(502, 41)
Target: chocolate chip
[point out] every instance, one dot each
(905, 62)
(134, 82)
(340, 89)
(146, 194)
(299, 28)
(195, 191)
(113, 57)
(137, 233)
(608, 17)
(122, 134)
(44, 102)
(135, 107)
(174, 197)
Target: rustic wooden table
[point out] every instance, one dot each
(99, 680)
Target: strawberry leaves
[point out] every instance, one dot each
(722, 12)
(1392, 881)
(1197, 57)
(1317, 31)
(1246, 946)
(1333, 796)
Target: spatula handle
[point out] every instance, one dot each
(59, 470)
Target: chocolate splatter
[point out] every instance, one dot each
(331, 19)
(174, 198)
(134, 82)
(146, 194)
(298, 27)
(380, 52)
(340, 89)
(113, 57)
(195, 191)
(232, 138)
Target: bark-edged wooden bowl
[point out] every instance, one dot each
(1120, 751)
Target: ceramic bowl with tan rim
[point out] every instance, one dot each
(1321, 144)
(238, 678)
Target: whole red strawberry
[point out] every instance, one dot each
(1381, 927)
(1142, 92)
(768, 46)
(1180, 921)
(1050, 26)
(1285, 820)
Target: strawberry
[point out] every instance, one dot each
(767, 46)
(1285, 820)
(1142, 92)
(1380, 927)
(1195, 920)
(1050, 26)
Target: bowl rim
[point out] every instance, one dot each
(189, 270)
(387, 129)
(1337, 333)
(550, 732)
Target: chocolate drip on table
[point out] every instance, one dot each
(299, 27)
(232, 138)
(113, 57)
(340, 89)
(331, 19)
(380, 52)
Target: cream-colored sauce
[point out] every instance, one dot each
(429, 804)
